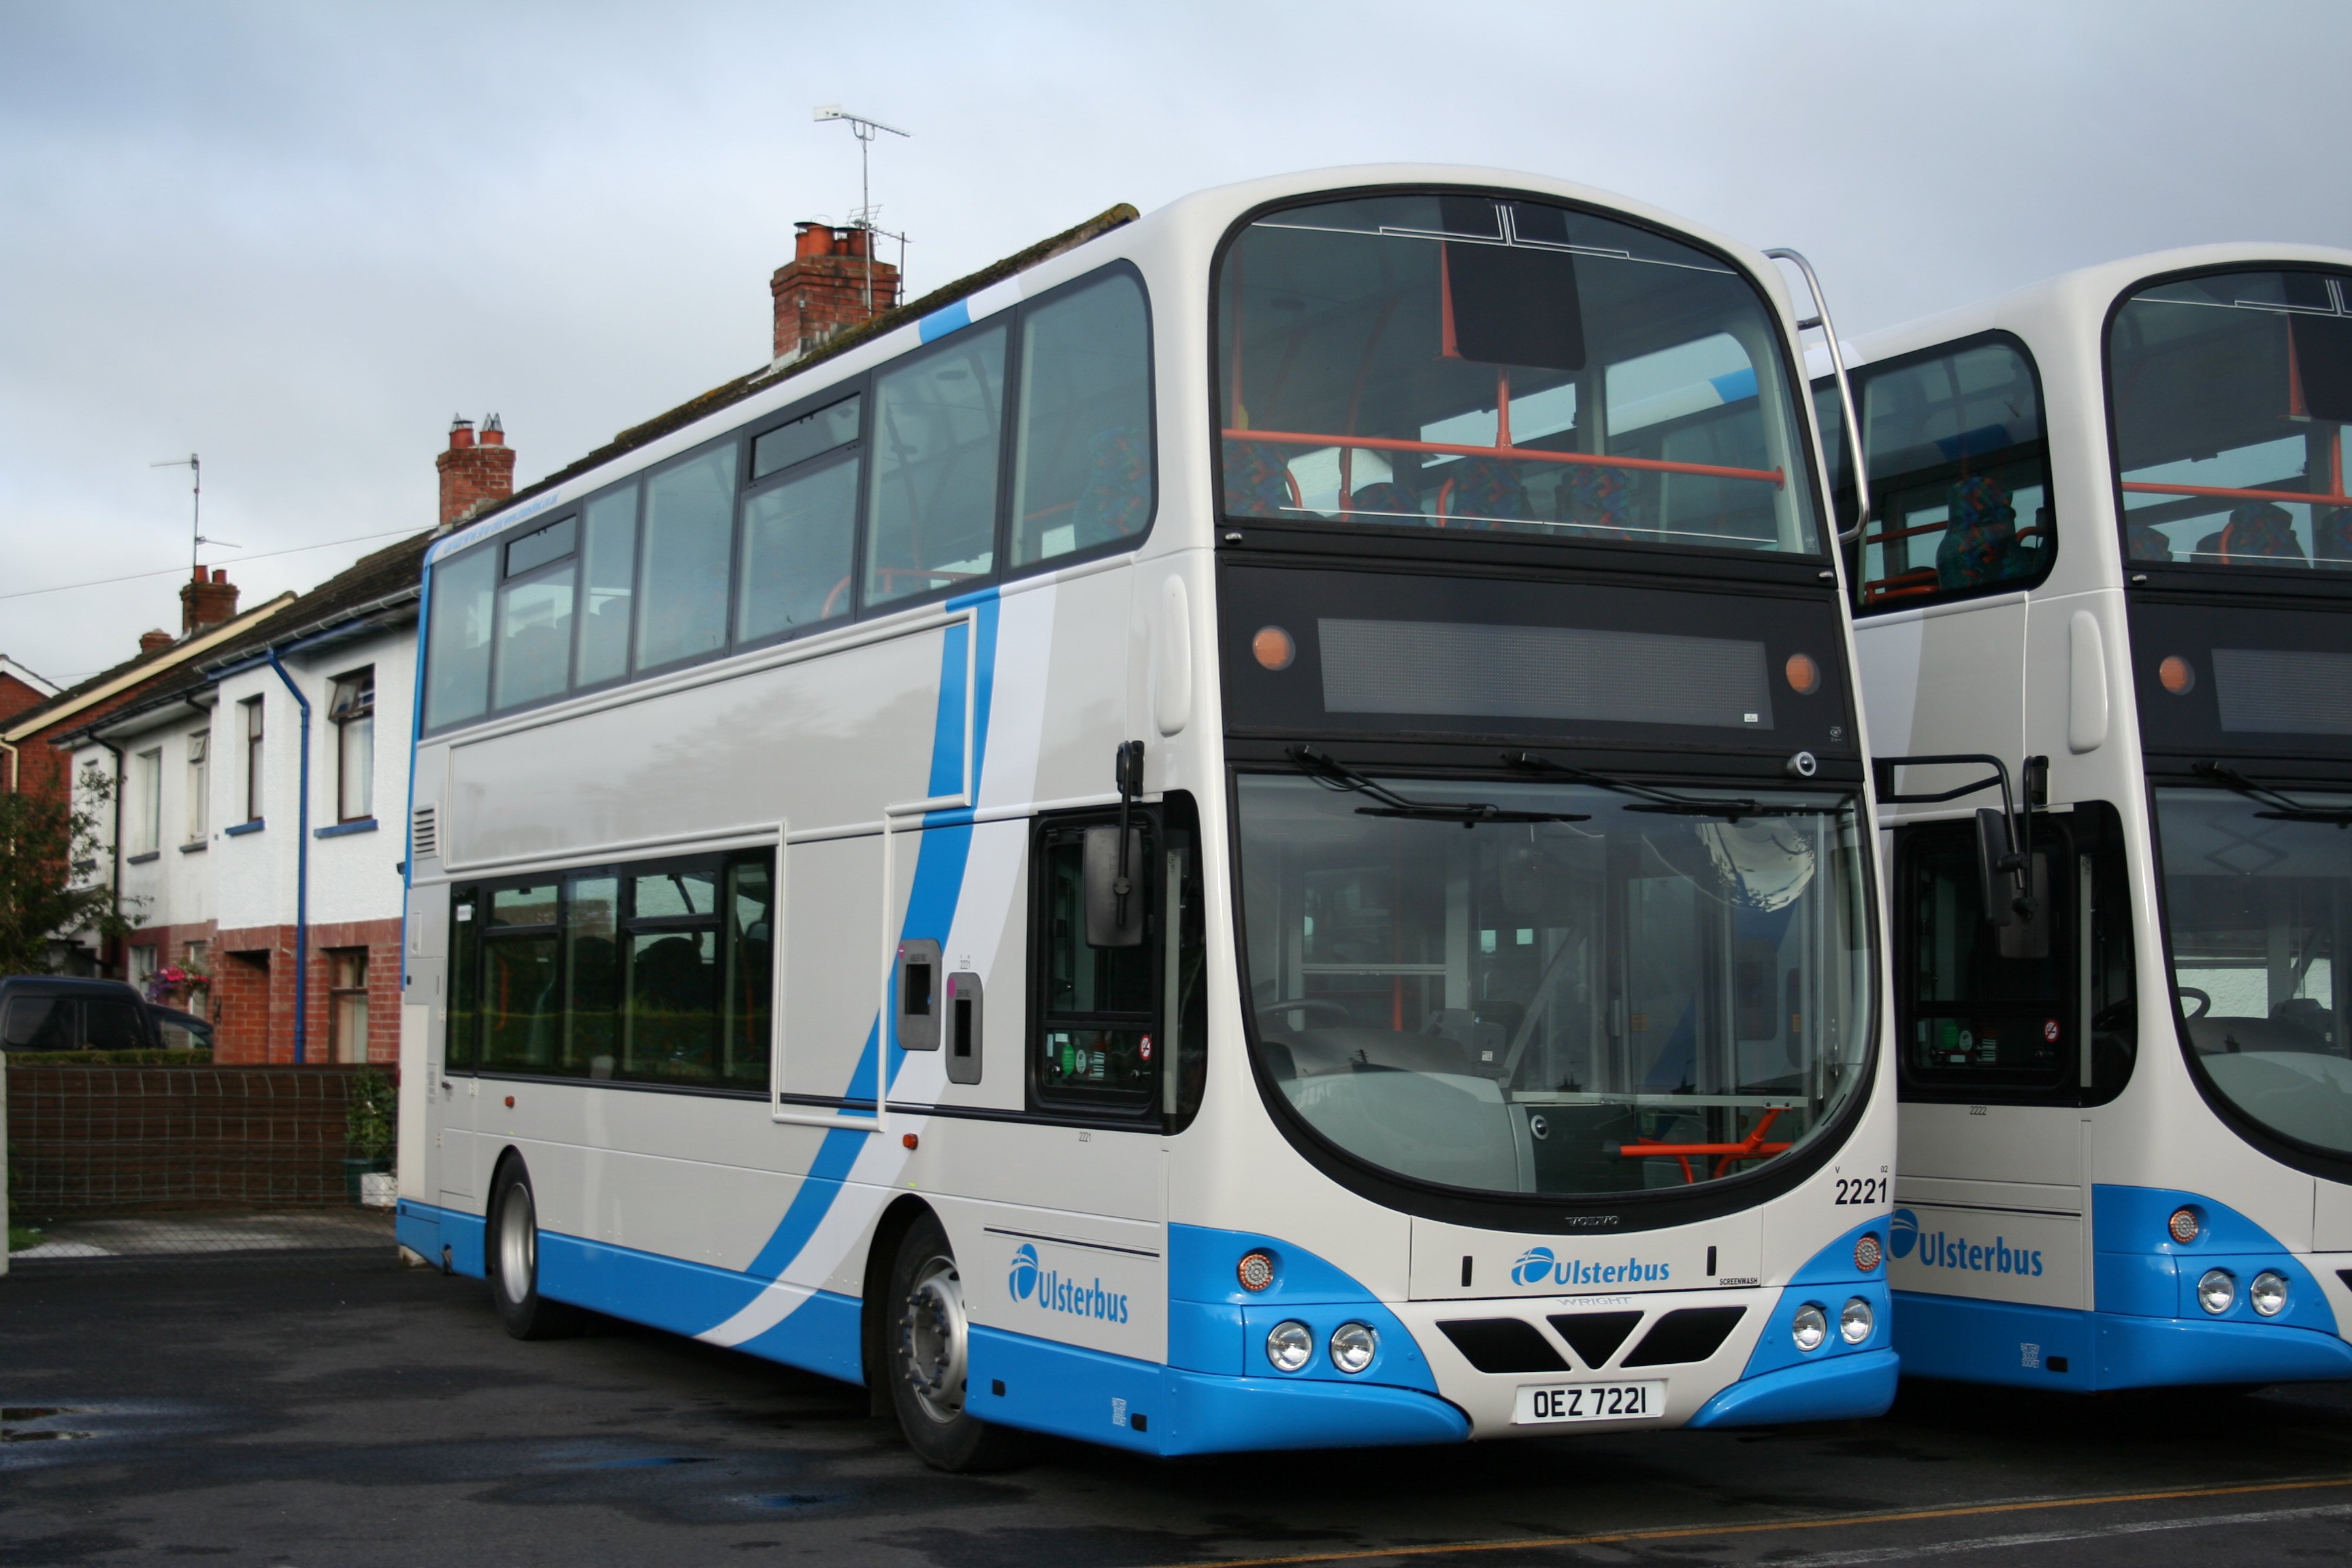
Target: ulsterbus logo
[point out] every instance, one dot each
(1051, 1292)
(1540, 1265)
(1939, 1249)
(1023, 1280)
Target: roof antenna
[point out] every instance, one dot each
(197, 540)
(865, 130)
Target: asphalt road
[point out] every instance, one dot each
(332, 1408)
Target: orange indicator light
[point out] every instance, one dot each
(1273, 647)
(1804, 675)
(2178, 675)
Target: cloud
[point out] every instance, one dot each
(296, 239)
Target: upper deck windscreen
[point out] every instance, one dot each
(1478, 363)
(2230, 394)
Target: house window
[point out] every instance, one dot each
(199, 785)
(252, 706)
(347, 1003)
(143, 969)
(353, 714)
(146, 802)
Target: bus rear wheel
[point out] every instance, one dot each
(514, 1262)
(929, 1338)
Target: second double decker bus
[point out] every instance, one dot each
(2109, 575)
(1250, 835)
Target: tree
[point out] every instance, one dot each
(49, 846)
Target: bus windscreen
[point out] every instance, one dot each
(1497, 364)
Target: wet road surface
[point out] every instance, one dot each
(333, 1409)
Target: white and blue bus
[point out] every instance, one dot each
(2107, 579)
(1282, 784)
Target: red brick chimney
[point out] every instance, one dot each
(205, 601)
(823, 291)
(473, 473)
(155, 641)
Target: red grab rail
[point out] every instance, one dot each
(1751, 1147)
(1773, 477)
(2306, 498)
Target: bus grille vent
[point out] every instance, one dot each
(1503, 1345)
(1595, 1336)
(1693, 1333)
(424, 833)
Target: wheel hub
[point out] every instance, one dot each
(934, 1336)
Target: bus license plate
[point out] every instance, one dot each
(1542, 1402)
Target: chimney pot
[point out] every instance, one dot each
(151, 642)
(206, 601)
(812, 240)
(474, 475)
(220, 573)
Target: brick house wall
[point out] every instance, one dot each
(252, 991)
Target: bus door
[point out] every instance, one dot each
(2010, 1022)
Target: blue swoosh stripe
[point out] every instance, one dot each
(946, 849)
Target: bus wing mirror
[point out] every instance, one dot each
(1994, 884)
(1105, 907)
(2028, 935)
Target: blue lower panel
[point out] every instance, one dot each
(1995, 1342)
(462, 1238)
(418, 1228)
(2147, 1353)
(1073, 1393)
(1851, 1387)
(821, 1335)
(2048, 1347)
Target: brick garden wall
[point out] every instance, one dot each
(88, 1141)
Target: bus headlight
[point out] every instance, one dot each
(1854, 1323)
(1289, 1345)
(1353, 1346)
(1810, 1326)
(2184, 1225)
(2216, 1290)
(2267, 1294)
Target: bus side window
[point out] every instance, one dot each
(1096, 1019)
(1959, 475)
(464, 984)
(931, 519)
(1082, 453)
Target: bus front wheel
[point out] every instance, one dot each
(929, 1340)
(514, 1262)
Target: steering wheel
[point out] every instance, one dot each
(2204, 1002)
(1335, 1011)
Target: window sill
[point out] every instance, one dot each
(195, 846)
(142, 859)
(363, 824)
(243, 828)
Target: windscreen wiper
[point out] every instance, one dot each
(1653, 799)
(1336, 776)
(2282, 808)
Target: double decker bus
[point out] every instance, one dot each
(2106, 579)
(1282, 786)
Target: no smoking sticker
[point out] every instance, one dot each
(2050, 1031)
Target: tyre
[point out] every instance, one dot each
(929, 1344)
(514, 1262)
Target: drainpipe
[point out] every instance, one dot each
(10, 753)
(302, 872)
(116, 752)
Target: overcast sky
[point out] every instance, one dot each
(298, 237)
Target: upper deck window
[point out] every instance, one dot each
(2230, 392)
(1960, 475)
(1481, 363)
